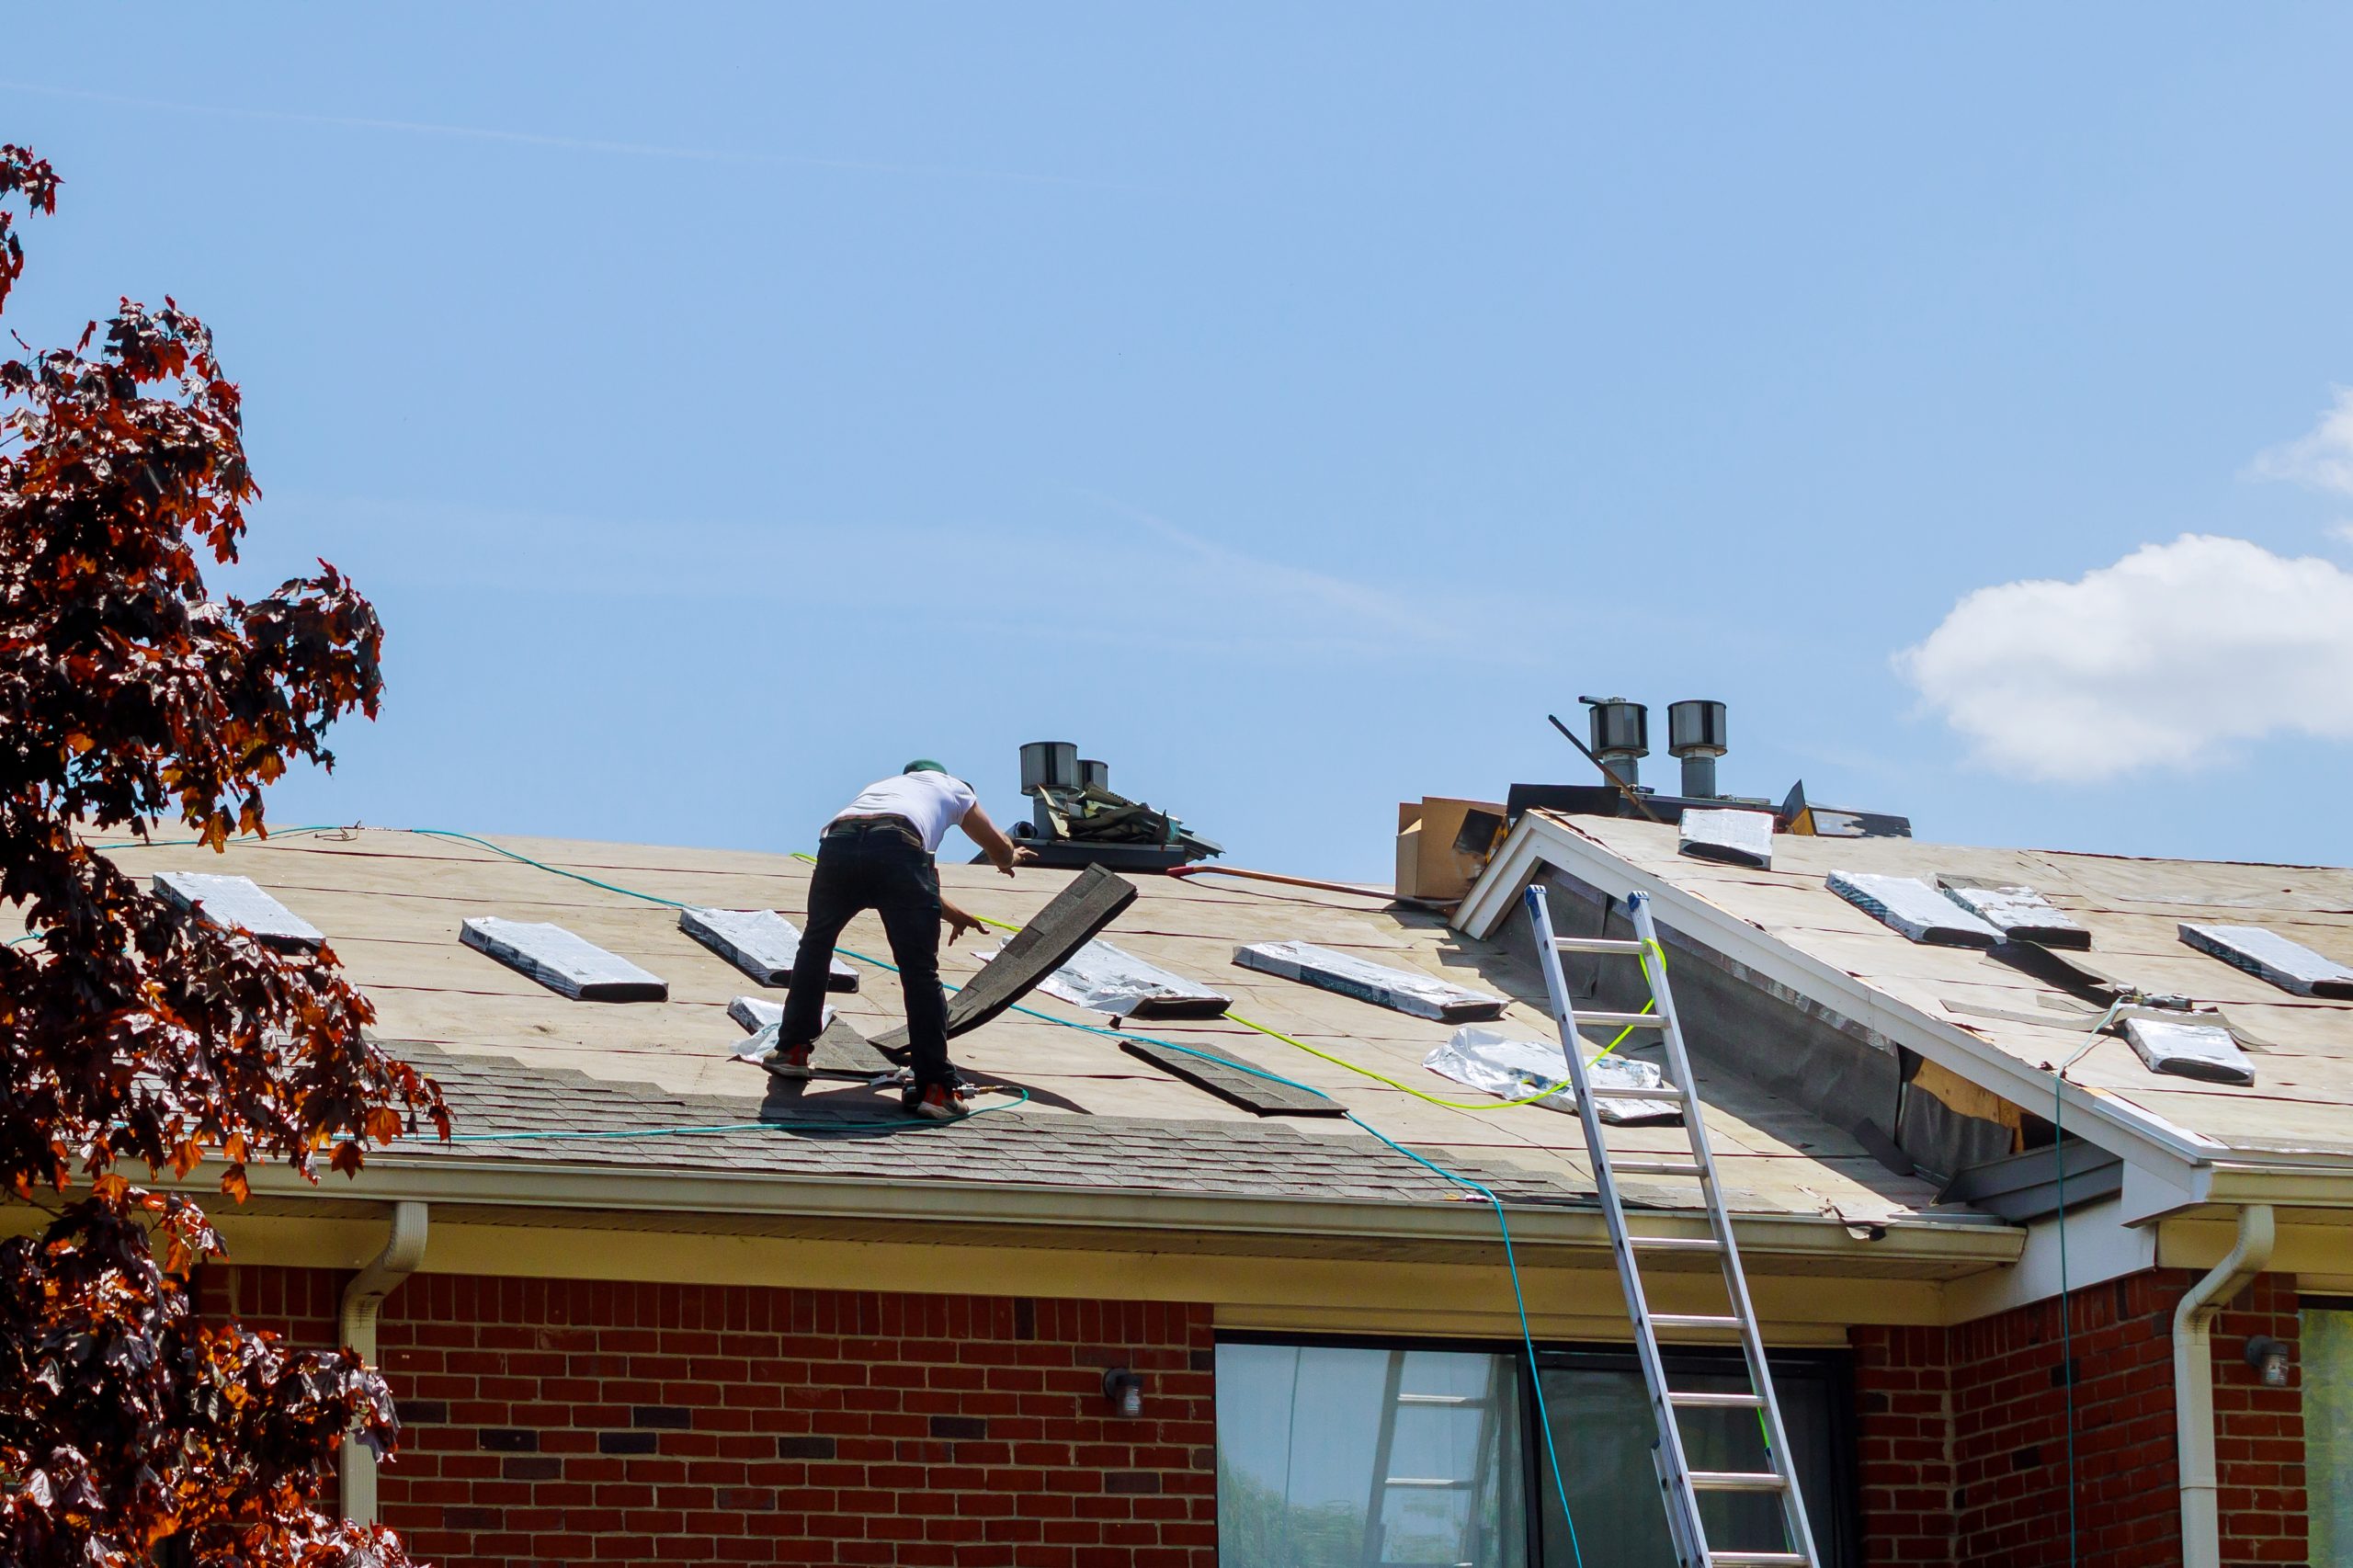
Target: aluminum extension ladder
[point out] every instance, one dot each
(1679, 1484)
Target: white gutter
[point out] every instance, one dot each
(2193, 1382)
(363, 1302)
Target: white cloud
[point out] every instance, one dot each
(2321, 458)
(2163, 660)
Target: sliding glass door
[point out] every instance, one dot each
(1353, 1455)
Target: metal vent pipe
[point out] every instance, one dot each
(1694, 732)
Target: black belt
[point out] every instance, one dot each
(850, 827)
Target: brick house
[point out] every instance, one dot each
(651, 1310)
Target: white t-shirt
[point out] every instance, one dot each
(933, 802)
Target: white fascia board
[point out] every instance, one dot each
(2101, 1247)
(689, 1194)
(1537, 842)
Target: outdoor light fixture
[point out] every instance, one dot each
(1124, 1390)
(2268, 1356)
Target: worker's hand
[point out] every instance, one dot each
(959, 923)
(1022, 855)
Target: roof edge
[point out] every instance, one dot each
(1540, 838)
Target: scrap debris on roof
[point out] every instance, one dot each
(1233, 1080)
(2019, 914)
(237, 902)
(760, 942)
(561, 962)
(1516, 1069)
(1911, 907)
(2190, 1050)
(1422, 995)
(2291, 966)
(1741, 838)
(1107, 978)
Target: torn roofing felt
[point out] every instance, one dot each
(563, 963)
(1419, 995)
(760, 942)
(2291, 966)
(237, 902)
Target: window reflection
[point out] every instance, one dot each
(1332, 1456)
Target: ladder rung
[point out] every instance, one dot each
(1738, 1481)
(1715, 1401)
(1760, 1560)
(1667, 1092)
(1676, 1243)
(1692, 1320)
(1430, 1482)
(1597, 945)
(1449, 1399)
(1621, 1020)
(1658, 1167)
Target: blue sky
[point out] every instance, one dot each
(1290, 405)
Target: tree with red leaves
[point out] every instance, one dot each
(137, 1042)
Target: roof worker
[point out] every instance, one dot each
(877, 854)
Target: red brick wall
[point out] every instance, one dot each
(566, 1421)
(1963, 1433)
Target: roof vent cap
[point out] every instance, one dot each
(1622, 734)
(1049, 764)
(1694, 732)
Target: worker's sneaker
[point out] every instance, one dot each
(791, 1061)
(939, 1102)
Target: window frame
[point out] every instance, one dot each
(1837, 1527)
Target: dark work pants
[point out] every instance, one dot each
(876, 866)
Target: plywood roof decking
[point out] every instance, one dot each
(2303, 1090)
(390, 904)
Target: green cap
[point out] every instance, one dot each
(923, 765)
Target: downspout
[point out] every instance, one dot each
(363, 1303)
(2193, 1382)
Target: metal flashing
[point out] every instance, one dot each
(568, 965)
(1908, 906)
(1421, 995)
(2291, 966)
(237, 903)
(760, 942)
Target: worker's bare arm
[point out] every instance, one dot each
(959, 921)
(1003, 853)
